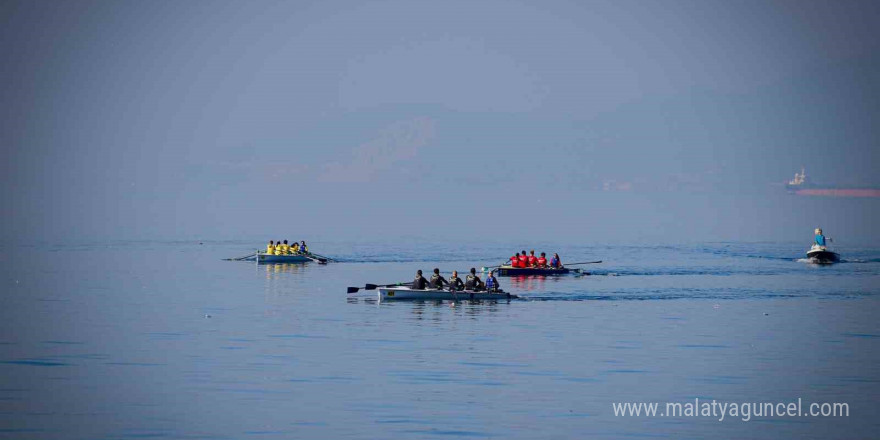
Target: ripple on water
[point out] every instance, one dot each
(447, 432)
(37, 362)
(861, 335)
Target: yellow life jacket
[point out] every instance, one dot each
(270, 249)
(295, 248)
(284, 248)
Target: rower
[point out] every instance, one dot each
(303, 248)
(492, 282)
(285, 248)
(437, 280)
(278, 247)
(455, 282)
(542, 260)
(523, 259)
(294, 249)
(533, 260)
(514, 260)
(555, 262)
(419, 283)
(472, 281)
(270, 248)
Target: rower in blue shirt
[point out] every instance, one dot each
(492, 282)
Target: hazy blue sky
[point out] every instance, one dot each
(458, 120)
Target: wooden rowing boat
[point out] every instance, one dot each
(409, 294)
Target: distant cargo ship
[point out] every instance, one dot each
(802, 186)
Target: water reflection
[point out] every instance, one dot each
(276, 274)
(533, 283)
(435, 310)
(529, 283)
(276, 269)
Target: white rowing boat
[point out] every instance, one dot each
(409, 294)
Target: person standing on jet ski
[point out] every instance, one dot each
(820, 239)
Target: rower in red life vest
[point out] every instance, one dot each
(523, 260)
(533, 260)
(542, 260)
(514, 260)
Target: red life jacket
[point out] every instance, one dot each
(514, 261)
(523, 261)
(542, 262)
(532, 260)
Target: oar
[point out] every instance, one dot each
(319, 260)
(373, 287)
(240, 258)
(486, 269)
(585, 262)
(322, 257)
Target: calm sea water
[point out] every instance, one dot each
(166, 340)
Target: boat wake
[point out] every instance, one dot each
(662, 294)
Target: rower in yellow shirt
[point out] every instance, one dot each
(295, 248)
(285, 248)
(278, 248)
(270, 248)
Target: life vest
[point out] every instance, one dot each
(514, 261)
(532, 260)
(542, 262)
(554, 262)
(491, 283)
(437, 281)
(304, 248)
(294, 248)
(523, 261)
(270, 249)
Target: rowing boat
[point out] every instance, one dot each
(509, 271)
(292, 258)
(410, 294)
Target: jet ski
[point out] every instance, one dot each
(821, 255)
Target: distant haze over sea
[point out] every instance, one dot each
(597, 121)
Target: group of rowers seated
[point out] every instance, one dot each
(531, 261)
(282, 248)
(454, 283)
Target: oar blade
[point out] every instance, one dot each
(353, 289)
(370, 287)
